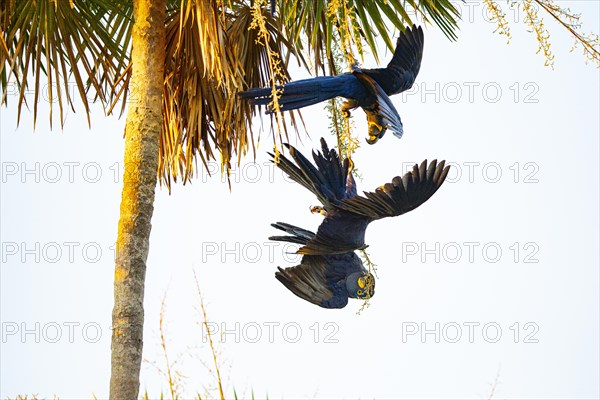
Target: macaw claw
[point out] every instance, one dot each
(318, 210)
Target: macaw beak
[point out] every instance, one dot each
(376, 132)
(372, 139)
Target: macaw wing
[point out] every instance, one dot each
(381, 113)
(406, 62)
(315, 281)
(402, 194)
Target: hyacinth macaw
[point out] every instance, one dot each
(330, 272)
(366, 88)
(325, 280)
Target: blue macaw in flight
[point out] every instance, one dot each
(330, 272)
(366, 88)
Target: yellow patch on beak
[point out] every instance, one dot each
(361, 282)
(375, 124)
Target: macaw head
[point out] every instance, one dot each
(360, 285)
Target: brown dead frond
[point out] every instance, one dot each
(212, 54)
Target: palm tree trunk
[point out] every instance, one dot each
(144, 124)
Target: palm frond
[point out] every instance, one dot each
(311, 24)
(64, 46)
(211, 56)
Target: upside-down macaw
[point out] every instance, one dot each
(330, 272)
(325, 280)
(366, 88)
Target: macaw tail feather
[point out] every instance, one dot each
(299, 235)
(306, 92)
(331, 180)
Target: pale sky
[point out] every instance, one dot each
(494, 279)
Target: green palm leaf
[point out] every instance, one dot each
(313, 22)
(60, 45)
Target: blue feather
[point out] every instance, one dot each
(306, 92)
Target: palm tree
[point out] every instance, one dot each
(178, 64)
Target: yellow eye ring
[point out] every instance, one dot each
(359, 292)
